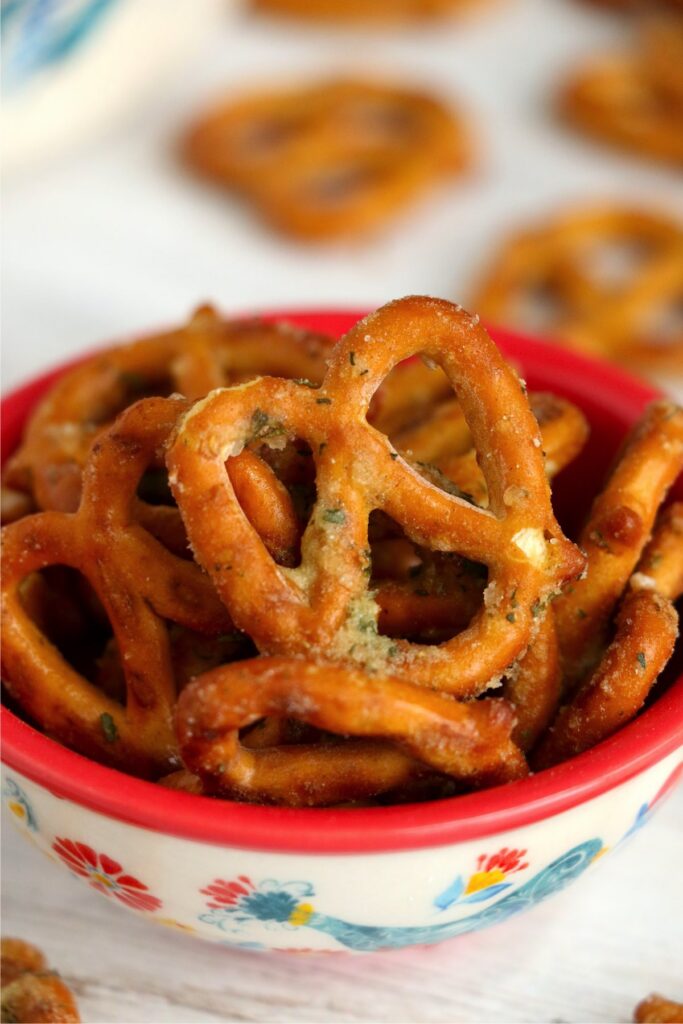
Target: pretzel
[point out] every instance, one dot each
(636, 5)
(552, 279)
(192, 360)
(337, 158)
(323, 608)
(661, 566)
(470, 741)
(106, 544)
(30, 992)
(380, 12)
(535, 687)
(625, 101)
(617, 530)
(647, 628)
(657, 1009)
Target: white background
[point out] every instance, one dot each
(116, 237)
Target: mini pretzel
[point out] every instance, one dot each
(535, 687)
(31, 993)
(470, 741)
(624, 100)
(379, 12)
(647, 628)
(618, 528)
(559, 280)
(657, 1009)
(140, 585)
(192, 360)
(327, 160)
(661, 566)
(323, 608)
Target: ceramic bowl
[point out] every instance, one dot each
(366, 879)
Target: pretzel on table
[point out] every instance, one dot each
(657, 1009)
(31, 993)
(330, 159)
(627, 101)
(559, 279)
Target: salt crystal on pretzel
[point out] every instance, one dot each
(323, 608)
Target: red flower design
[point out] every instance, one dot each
(505, 860)
(105, 875)
(228, 894)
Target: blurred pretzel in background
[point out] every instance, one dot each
(380, 12)
(31, 992)
(657, 1009)
(634, 101)
(338, 158)
(606, 280)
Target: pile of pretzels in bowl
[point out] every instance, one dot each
(249, 562)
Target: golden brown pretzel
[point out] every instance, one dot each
(647, 627)
(374, 12)
(605, 280)
(331, 159)
(535, 687)
(31, 993)
(626, 101)
(661, 566)
(323, 609)
(192, 360)
(470, 741)
(657, 1009)
(140, 584)
(617, 530)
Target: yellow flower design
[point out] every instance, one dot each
(17, 809)
(301, 914)
(483, 879)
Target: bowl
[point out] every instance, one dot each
(365, 879)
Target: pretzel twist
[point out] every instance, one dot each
(468, 741)
(331, 159)
(661, 566)
(323, 607)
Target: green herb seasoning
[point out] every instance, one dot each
(334, 515)
(108, 726)
(642, 660)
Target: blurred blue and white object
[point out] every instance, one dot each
(71, 68)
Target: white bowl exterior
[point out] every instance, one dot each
(347, 902)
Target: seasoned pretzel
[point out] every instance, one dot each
(192, 360)
(535, 688)
(31, 993)
(661, 566)
(617, 530)
(323, 608)
(657, 1009)
(647, 627)
(470, 741)
(331, 159)
(140, 585)
(626, 100)
(379, 12)
(608, 281)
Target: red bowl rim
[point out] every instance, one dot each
(641, 744)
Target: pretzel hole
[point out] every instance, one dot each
(334, 186)
(613, 263)
(153, 487)
(260, 140)
(127, 387)
(662, 324)
(379, 121)
(540, 306)
(66, 609)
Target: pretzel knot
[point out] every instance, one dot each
(323, 609)
(140, 584)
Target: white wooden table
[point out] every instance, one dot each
(114, 238)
